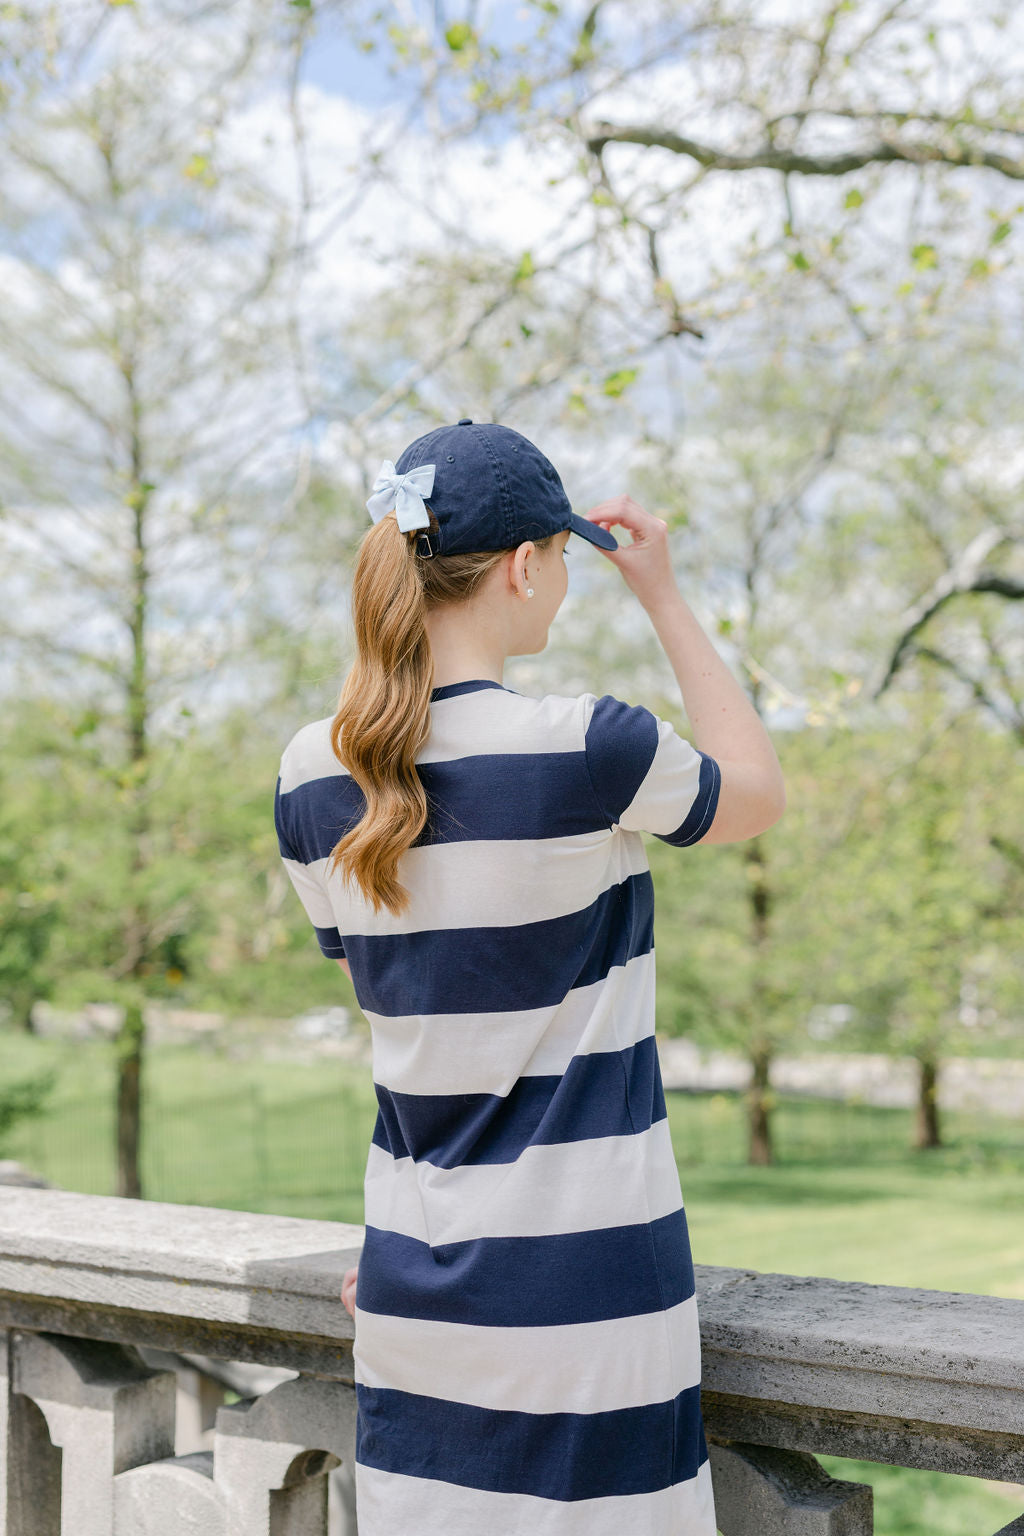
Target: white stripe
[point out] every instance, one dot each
(491, 882)
(486, 720)
(391, 1504)
(572, 1186)
(309, 755)
(309, 886)
(487, 1052)
(669, 788)
(624, 1362)
(491, 721)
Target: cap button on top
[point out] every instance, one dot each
(465, 421)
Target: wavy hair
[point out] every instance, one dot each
(383, 714)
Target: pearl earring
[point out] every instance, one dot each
(529, 591)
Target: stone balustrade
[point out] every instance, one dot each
(98, 1294)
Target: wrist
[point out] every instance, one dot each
(664, 600)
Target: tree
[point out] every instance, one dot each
(137, 403)
(822, 136)
(927, 923)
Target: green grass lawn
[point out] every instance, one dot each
(847, 1198)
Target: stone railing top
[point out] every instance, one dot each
(192, 1242)
(250, 1286)
(881, 1354)
(245, 1273)
(946, 1335)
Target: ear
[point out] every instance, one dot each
(517, 561)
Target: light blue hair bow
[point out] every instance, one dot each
(403, 492)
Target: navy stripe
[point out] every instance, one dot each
(501, 969)
(620, 744)
(330, 941)
(489, 795)
(468, 685)
(605, 1093)
(564, 1456)
(702, 811)
(284, 844)
(529, 1282)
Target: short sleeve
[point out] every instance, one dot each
(306, 875)
(645, 776)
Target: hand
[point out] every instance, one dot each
(644, 562)
(348, 1290)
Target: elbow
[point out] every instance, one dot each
(771, 805)
(776, 806)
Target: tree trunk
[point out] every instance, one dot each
(927, 1127)
(130, 1038)
(760, 1152)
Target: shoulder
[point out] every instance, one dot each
(559, 719)
(613, 724)
(589, 721)
(308, 754)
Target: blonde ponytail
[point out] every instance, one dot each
(383, 714)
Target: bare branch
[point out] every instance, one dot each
(964, 576)
(977, 688)
(772, 158)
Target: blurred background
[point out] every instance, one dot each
(759, 265)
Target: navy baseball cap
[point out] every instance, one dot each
(491, 489)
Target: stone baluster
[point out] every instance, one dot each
(266, 1473)
(270, 1454)
(173, 1497)
(79, 1412)
(760, 1491)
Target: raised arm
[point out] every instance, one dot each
(725, 724)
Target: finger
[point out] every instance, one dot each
(622, 510)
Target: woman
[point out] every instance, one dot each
(527, 1355)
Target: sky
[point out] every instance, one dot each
(497, 196)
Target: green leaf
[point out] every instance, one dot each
(526, 329)
(924, 257)
(86, 725)
(1000, 232)
(799, 260)
(198, 168)
(525, 268)
(301, 5)
(616, 383)
(459, 35)
(853, 198)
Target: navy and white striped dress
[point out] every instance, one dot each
(527, 1355)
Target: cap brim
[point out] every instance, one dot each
(592, 532)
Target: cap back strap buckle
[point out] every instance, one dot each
(424, 539)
